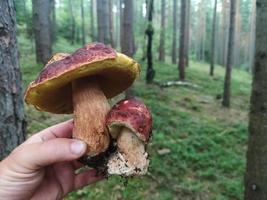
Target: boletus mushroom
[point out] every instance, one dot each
(129, 122)
(80, 83)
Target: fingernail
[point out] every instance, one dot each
(77, 147)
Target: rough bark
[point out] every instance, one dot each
(150, 73)
(162, 32)
(252, 27)
(181, 64)
(174, 33)
(111, 28)
(92, 20)
(103, 21)
(127, 36)
(72, 22)
(42, 25)
(230, 56)
(83, 23)
(12, 119)
(256, 172)
(187, 32)
(53, 21)
(238, 36)
(212, 49)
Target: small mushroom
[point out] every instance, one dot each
(80, 83)
(129, 121)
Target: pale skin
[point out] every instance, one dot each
(44, 166)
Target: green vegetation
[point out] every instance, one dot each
(206, 143)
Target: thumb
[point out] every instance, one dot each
(37, 155)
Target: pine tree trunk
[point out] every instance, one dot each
(42, 30)
(187, 32)
(117, 25)
(127, 29)
(212, 49)
(230, 56)
(83, 23)
(181, 64)
(53, 21)
(103, 21)
(256, 172)
(72, 21)
(174, 34)
(237, 47)
(12, 119)
(252, 27)
(92, 20)
(162, 32)
(150, 73)
(111, 28)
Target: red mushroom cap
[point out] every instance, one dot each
(133, 114)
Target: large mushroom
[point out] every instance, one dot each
(129, 122)
(80, 83)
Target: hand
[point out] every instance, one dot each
(44, 166)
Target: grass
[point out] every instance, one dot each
(206, 143)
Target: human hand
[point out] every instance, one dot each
(44, 166)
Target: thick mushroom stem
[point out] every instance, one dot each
(131, 158)
(90, 107)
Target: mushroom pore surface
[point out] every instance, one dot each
(90, 109)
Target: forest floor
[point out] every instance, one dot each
(198, 148)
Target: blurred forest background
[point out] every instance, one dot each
(197, 59)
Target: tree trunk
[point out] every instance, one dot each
(111, 28)
(127, 36)
(256, 172)
(174, 33)
(127, 29)
(162, 32)
(252, 27)
(187, 33)
(238, 36)
(150, 73)
(53, 21)
(72, 22)
(103, 21)
(83, 23)
(92, 20)
(117, 25)
(212, 49)
(42, 32)
(181, 64)
(12, 119)
(230, 56)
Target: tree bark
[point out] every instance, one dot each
(127, 29)
(72, 21)
(83, 23)
(181, 64)
(53, 21)
(103, 21)
(230, 56)
(174, 33)
(187, 32)
(162, 32)
(212, 49)
(42, 32)
(252, 28)
(92, 20)
(111, 28)
(150, 73)
(256, 171)
(12, 119)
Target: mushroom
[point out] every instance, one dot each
(129, 121)
(80, 83)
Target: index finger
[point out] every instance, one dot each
(61, 130)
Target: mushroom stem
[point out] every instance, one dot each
(90, 107)
(131, 157)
